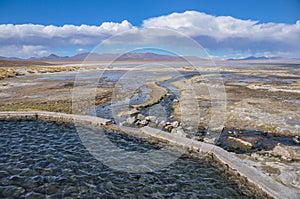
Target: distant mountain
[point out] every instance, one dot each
(51, 57)
(256, 58)
(4, 62)
(108, 57)
(9, 58)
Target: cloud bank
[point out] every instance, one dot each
(215, 33)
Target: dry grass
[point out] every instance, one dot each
(9, 72)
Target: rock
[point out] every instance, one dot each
(171, 117)
(255, 155)
(140, 117)
(131, 120)
(162, 124)
(128, 113)
(175, 124)
(169, 127)
(296, 139)
(282, 151)
(144, 122)
(151, 118)
(175, 100)
(209, 140)
(123, 123)
(239, 143)
(295, 152)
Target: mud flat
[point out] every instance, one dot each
(49, 91)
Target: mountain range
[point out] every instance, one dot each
(126, 57)
(257, 58)
(107, 57)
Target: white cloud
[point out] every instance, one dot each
(80, 50)
(197, 24)
(23, 51)
(220, 33)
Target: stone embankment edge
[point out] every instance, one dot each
(260, 181)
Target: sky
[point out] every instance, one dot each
(223, 29)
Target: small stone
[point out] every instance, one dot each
(131, 120)
(296, 139)
(162, 124)
(281, 151)
(175, 124)
(255, 155)
(239, 143)
(123, 123)
(169, 127)
(143, 122)
(151, 118)
(140, 117)
(261, 159)
(295, 152)
(175, 100)
(209, 140)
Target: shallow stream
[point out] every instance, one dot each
(41, 159)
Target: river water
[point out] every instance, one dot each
(41, 159)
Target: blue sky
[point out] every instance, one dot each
(94, 12)
(139, 14)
